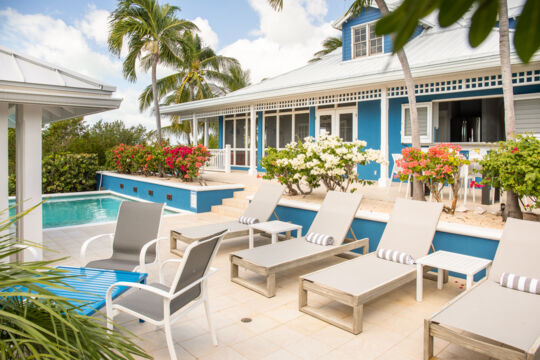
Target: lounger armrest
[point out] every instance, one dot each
(145, 287)
(32, 251)
(87, 243)
(163, 263)
(210, 272)
(144, 250)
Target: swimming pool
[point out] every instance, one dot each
(69, 210)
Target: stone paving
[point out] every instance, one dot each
(393, 324)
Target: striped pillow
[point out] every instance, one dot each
(319, 239)
(247, 220)
(521, 283)
(395, 256)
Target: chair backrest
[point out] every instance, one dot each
(336, 215)
(411, 227)
(265, 201)
(196, 264)
(137, 224)
(518, 251)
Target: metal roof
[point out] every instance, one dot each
(435, 52)
(62, 92)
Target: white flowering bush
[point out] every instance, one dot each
(303, 166)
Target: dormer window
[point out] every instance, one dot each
(365, 41)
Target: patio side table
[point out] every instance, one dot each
(445, 260)
(273, 228)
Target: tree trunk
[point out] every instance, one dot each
(418, 190)
(156, 109)
(512, 208)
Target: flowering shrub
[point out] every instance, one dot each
(328, 160)
(180, 161)
(439, 166)
(514, 166)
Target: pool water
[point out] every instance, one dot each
(71, 210)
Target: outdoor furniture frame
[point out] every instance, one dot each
(160, 304)
(499, 322)
(261, 207)
(334, 218)
(135, 240)
(410, 229)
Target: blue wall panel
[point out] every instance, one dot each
(369, 130)
(467, 245)
(312, 121)
(181, 198)
(220, 132)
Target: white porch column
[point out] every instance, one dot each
(195, 126)
(206, 133)
(4, 161)
(252, 142)
(383, 179)
(28, 165)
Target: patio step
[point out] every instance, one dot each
(236, 202)
(227, 210)
(243, 194)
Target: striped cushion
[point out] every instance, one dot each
(247, 220)
(319, 239)
(521, 283)
(395, 256)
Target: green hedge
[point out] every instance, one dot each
(66, 172)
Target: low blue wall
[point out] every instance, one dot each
(467, 245)
(181, 198)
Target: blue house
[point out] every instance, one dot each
(358, 92)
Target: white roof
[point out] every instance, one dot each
(435, 52)
(62, 92)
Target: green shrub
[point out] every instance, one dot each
(514, 166)
(66, 172)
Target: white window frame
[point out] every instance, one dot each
(423, 139)
(368, 48)
(335, 112)
(234, 149)
(291, 112)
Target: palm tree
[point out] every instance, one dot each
(237, 78)
(356, 8)
(329, 45)
(152, 31)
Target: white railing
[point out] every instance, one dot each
(220, 159)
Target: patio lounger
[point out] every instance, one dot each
(499, 322)
(355, 282)
(133, 240)
(261, 207)
(334, 218)
(160, 304)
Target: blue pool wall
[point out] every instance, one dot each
(181, 198)
(462, 244)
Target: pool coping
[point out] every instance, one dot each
(443, 226)
(172, 184)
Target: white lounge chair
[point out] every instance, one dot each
(160, 304)
(261, 207)
(499, 322)
(410, 230)
(334, 218)
(135, 240)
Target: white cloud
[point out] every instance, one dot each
(207, 34)
(96, 25)
(284, 40)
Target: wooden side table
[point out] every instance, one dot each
(445, 260)
(273, 228)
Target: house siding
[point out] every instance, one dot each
(312, 121)
(369, 130)
(220, 132)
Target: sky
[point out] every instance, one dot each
(73, 34)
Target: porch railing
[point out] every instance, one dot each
(220, 159)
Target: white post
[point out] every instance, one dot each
(4, 182)
(383, 179)
(28, 164)
(253, 142)
(206, 133)
(195, 126)
(227, 162)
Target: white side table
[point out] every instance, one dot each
(444, 260)
(274, 228)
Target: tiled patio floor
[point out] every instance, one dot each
(393, 324)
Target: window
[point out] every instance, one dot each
(270, 131)
(285, 130)
(229, 133)
(236, 135)
(301, 126)
(288, 125)
(325, 124)
(346, 126)
(365, 41)
(340, 121)
(424, 123)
